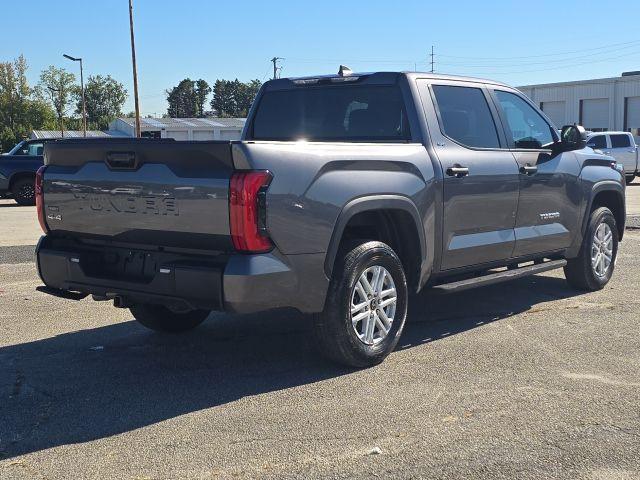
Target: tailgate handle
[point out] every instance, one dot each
(121, 160)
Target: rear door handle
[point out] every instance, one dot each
(458, 171)
(528, 169)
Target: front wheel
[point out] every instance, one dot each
(162, 319)
(366, 306)
(629, 178)
(593, 267)
(24, 191)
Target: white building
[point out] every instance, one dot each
(182, 128)
(598, 105)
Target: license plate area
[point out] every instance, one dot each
(122, 264)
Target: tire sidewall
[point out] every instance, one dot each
(383, 256)
(599, 216)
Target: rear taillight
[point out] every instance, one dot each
(247, 211)
(40, 199)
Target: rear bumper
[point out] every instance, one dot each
(235, 283)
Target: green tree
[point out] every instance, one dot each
(187, 99)
(234, 98)
(104, 98)
(245, 94)
(22, 108)
(60, 87)
(202, 91)
(223, 101)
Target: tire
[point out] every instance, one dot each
(357, 345)
(24, 191)
(580, 272)
(629, 178)
(161, 319)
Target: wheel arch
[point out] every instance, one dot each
(611, 195)
(404, 231)
(20, 176)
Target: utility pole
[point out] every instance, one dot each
(432, 62)
(84, 108)
(59, 112)
(135, 70)
(275, 66)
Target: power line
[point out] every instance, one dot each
(544, 54)
(559, 67)
(591, 55)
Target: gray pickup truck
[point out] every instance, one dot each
(346, 194)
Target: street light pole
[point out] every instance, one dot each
(84, 107)
(135, 72)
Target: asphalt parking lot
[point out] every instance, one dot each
(529, 379)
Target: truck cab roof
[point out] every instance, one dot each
(373, 78)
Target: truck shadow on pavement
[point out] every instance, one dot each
(92, 384)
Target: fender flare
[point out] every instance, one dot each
(603, 186)
(369, 203)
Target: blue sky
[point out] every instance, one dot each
(516, 42)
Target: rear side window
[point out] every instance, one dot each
(332, 113)
(597, 141)
(620, 141)
(465, 116)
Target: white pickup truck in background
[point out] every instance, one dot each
(621, 146)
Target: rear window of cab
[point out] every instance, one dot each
(354, 113)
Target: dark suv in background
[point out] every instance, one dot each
(18, 171)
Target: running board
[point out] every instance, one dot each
(499, 277)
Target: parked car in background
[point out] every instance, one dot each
(621, 146)
(18, 171)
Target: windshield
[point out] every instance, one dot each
(332, 113)
(17, 149)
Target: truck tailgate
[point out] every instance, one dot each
(154, 192)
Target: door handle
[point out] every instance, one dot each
(457, 171)
(528, 169)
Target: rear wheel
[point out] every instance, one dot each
(366, 307)
(593, 267)
(162, 319)
(24, 191)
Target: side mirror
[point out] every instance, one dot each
(573, 137)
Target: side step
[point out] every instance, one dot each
(61, 293)
(498, 277)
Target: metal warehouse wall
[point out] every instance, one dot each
(613, 89)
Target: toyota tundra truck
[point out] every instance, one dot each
(347, 194)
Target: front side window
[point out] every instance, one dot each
(620, 141)
(465, 116)
(35, 149)
(355, 113)
(597, 141)
(528, 129)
